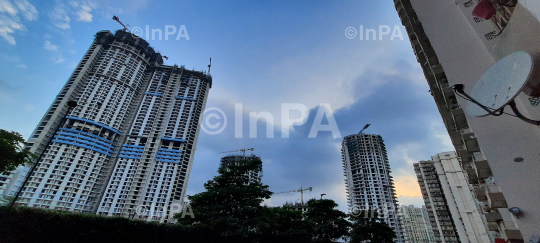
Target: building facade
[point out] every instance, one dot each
(416, 225)
(253, 176)
(450, 202)
(368, 181)
(453, 46)
(131, 139)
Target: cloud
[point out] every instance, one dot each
(78, 10)
(14, 60)
(59, 59)
(396, 106)
(10, 22)
(59, 17)
(27, 10)
(50, 47)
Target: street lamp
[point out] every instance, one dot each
(71, 104)
(322, 195)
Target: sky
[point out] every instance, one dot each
(314, 54)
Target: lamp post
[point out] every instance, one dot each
(71, 104)
(322, 195)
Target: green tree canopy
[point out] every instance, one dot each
(12, 152)
(231, 205)
(330, 223)
(367, 227)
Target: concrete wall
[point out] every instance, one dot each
(465, 58)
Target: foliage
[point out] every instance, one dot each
(330, 223)
(24, 224)
(12, 152)
(289, 222)
(231, 205)
(370, 229)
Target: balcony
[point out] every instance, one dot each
(513, 236)
(496, 200)
(493, 217)
(482, 169)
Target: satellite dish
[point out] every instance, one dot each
(501, 84)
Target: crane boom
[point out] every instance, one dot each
(240, 150)
(120, 22)
(301, 190)
(363, 129)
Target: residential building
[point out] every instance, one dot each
(368, 180)
(451, 205)
(454, 46)
(130, 141)
(296, 206)
(252, 176)
(5, 180)
(416, 225)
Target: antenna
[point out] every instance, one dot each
(209, 65)
(363, 129)
(120, 22)
(501, 84)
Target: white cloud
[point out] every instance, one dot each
(50, 47)
(7, 7)
(14, 60)
(59, 59)
(28, 10)
(60, 18)
(78, 10)
(10, 22)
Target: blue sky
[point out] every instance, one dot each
(264, 53)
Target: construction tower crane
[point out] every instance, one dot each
(120, 22)
(301, 190)
(240, 150)
(363, 129)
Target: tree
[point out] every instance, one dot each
(330, 223)
(370, 229)
(12, 152)
(231, 205)
(289, 222)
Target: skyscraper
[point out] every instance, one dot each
(416, 225)
(368, 181)
(131, 139)
(455, 45)
(450, 203)
(252, 176)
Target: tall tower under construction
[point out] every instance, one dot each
(253, 176)
(368, 181)
(131, 139)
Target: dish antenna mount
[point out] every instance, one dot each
(501, 84)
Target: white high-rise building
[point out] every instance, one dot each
(131, 139)
(368, 181)
(416, 225)
(450, 201)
